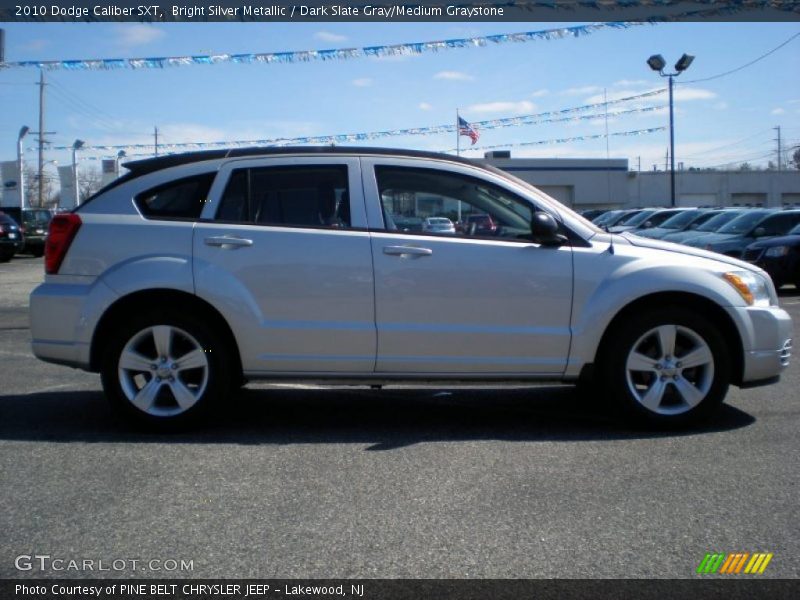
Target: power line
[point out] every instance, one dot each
(744, 66)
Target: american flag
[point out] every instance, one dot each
(465, 128)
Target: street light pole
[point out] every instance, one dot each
(20, 166)
(77, 145)
(657, 63)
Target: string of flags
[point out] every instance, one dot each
(391, 50)
(579, 138)
(554, 116)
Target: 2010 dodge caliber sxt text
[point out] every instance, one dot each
(194, 273)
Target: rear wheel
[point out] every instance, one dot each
(666, 367)
(6, 255)
(165, 369)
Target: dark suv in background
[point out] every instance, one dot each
(11, 239)
(752, 226)
(34, 223)
(778, 256)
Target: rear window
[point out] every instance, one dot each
(182, 199)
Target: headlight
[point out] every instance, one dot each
(751, 287)
(776, 251)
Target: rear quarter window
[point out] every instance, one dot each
(181, 199)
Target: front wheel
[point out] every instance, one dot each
(165, 369)
(666, 367)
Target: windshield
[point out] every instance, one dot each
(794, 230)
(744, 222)
(606, 217)
(717, 221)
(681, 220)
(37, 217)
(637, 219)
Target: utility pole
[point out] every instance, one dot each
(41, 138)
(155, 135)
(780, 150)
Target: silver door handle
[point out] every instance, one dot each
(409, 250)
(225, 241)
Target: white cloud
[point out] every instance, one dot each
(720, 106)
(425, 106)
(579, 91)
(540, 93)
(632, 82)
(523, 106)
(362, 82)
(454, 76)
(327, 36)
(684, 93)
(137, 34)
(777, 111)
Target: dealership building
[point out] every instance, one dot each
(609, 183)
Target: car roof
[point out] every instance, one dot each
(148, 165)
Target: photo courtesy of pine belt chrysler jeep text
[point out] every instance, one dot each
(195, 273)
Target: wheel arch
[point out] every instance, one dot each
(163, 298)
(708, 308)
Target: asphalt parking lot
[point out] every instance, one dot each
(303, 482)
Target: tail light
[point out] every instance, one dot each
(62, 231)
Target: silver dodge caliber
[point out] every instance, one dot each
(195, 273)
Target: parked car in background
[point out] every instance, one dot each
(610, 218)
(755, 224)
(676, 223)
(480, 225)
(34, 223)
(11, 237)
(438, 225)
(778, 256)
(593, 213)
(652, 217)
(717, 220)
(408, 223)
(193, 273)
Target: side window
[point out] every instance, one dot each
(779, 224)
(438, 202)
(182, 199)
(294, 196)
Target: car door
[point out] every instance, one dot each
(478, 302)
(283, 250)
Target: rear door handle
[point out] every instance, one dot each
(224, 241)
(407, 250)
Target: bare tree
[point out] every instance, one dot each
(32, 183)
(89, 181)
(796, 159)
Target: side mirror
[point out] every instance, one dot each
(647, 225)
(544, 230)
(759, 232)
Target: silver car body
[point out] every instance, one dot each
(343, 305)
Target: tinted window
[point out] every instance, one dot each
(183, 199)
(744, 223)
(306, 196)
(719, 220)
(476, 207)
(637, 219)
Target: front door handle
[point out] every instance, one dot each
(407, 250)
(228, 242)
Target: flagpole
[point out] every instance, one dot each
(458, 153)
(458, 143)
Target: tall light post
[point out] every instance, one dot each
(21, 175)
(657, 63)
(76, 145)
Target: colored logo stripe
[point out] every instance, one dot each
(733, 564)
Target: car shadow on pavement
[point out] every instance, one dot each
(383, 419)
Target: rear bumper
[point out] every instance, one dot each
(63, 320)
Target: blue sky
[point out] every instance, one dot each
(727, 120)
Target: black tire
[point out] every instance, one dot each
(207, 384)
(6, 256)
(38, 252)
(657, 397)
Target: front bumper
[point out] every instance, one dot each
(766, 340)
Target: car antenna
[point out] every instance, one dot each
(611, 243)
